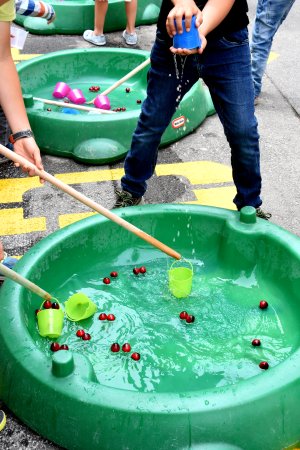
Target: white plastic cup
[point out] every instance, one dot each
(18, 37)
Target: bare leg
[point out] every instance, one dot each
(101, 8)
(130, 8)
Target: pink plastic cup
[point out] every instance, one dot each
(61, 90)
(102, 102)
(76, 96)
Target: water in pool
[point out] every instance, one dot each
(214, 351)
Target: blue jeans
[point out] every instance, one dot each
(225, 67)
(269, 16)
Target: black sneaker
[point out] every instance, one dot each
(124, 199)
(262, 214)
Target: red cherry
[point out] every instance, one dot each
(80, 333)
(64, 347)
(119, 109)
(264, 365)
(143, 269)
(190, 319)
(183, 315)
(97, 88)
(55, 346)
(139, 102)
(263, 304)
(106, 280)
(256, 342)
(135, 356)
(114, 274)
(102, 316)
(136, 271)
(37, 311)
(86, 337)
(110, 317)
(127, 89)
(123, 108)
(126, 347)
(47, 304)
(115, 348)
(91, 88)
(55, 305)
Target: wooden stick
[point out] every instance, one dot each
(24, 282)
(70, 105)
(88, 202)
(122, 80)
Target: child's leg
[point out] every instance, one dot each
(269, 17)
(131, 9)
(162, 99)
(101, 8)
(227, 72)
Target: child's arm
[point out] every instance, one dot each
(12, 102)
(35, 9)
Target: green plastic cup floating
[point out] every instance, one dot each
(180, 279)
(50, 322)
(79, 307)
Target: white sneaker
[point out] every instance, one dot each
(89, 36)
(130, 38)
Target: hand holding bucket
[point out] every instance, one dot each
(180, 278)
(187, 39)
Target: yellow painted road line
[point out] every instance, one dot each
(197, 172)
(220, 197)
(91, 177)
(13, 189)
(18, 57)
(67, 219)
(13, 222)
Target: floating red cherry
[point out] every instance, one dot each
(143, 269)
(37, 311)
(264, 365)
(106, 280)
(80, 333)
(139, 102)
(183, 315)
(136, 271)
(127, 90)
(64, 347)
(263, 304)
(55, 305)
(190, 318)
(102, 316)
(115, 348)
(118, 109)
(86, 337)
(136, 356)
(126, 347)
(55, 346)
(47, 304)
(114, 274)
(256, 342)
(111, 317)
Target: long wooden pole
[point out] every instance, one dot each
(24, 282)
(72, 106)
(90, 203)
(125, 78)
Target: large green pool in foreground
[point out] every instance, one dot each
(197, 385)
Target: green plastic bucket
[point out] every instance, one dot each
(180, 279)
(79, 307)
(50, 322)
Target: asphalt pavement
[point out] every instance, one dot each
(278, 115)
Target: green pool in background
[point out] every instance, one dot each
(93, 138)
(197, 385)
(76, 16)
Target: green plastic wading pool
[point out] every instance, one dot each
(197, 385)
(94, 138)
(75, 16)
